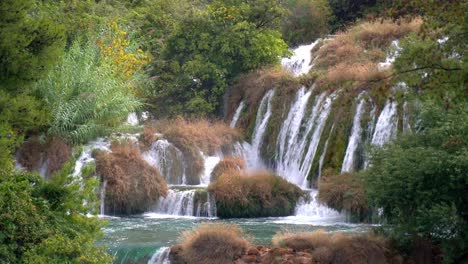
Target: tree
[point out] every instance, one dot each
(420, 180)
(29, 43)
(307, 21)
(46, 222)
(208, 48)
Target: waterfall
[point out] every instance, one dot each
(161, 256)
(103, 197)
(290, 128)
(132, 119)
(301, 60)
(176, 203)
(354, 140)
(295, 161)
(387, 125)
(210, 163)
(263, 115)
(168, 159)
(86, 157)
(187, 202)
(237, 114)
(324, 152)
(313, 209)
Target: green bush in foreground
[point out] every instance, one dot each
(259, 194)
(45, 221)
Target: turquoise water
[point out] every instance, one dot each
(136, 239)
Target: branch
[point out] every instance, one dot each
(434, 66)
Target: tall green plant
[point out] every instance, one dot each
(85, 97)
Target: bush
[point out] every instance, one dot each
(132, 184)
(344, 192)
(225, 165)
(85, 97)
(303, 241)
(213, 244)
(52, 153)
(257, 194)
(337, 248)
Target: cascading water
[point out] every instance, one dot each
(295, 161)
(168, 159)
(301, 60)
(103, 197)
(237, 114)
(354, 139)
(187, 202)
(313, 210)
(322, 157)
(263, 115)
(387, 124)
(161, 256)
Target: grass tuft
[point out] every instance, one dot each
(227, 164)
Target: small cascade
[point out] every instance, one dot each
(301, 61)
(168, 159)
(86, 156)
(387, 124)
(314, 210)
(354, 140)
(322, 157)
(210, 163)
(237, 114)
(132, 119)
(176, 203)
(161, 256)
(186, 202)
(295, 161)
(263, 115)
(103, 198)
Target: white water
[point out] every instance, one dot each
(168, 159)
(161, 256)
(103, 198)
(324, 152)
(210, 163)
(295, 161)
(395, 50)
(132, 119)
(387, 124)
(176, 203)
(354, 140)
(263, 115)
(86, 158)
(313, 210)
(237, 114)
(301, 61)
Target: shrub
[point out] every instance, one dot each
(191, 137)
(148, 136)
(86, 99)
(213, 244)
(344, 192)
(257, 194)
(37, 152)
(225, 165)
(354, 72)
(337, 248)
(303, 241)
(132, 184)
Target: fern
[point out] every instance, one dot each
(86, 98)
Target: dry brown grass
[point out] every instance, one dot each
(35, 152)
(382, 33)
(228, 163)
(148, 136)
(367, 71)
(338, 248)
(194, 136)
(132, 184)
(342, 49)
(213, 244)
(343, 191)
(303, 241)
(254, 194)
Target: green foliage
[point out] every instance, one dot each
(29, 43)
(307, 21)
(209, 47)
(420, 181)
(46, 222)
(345, 12)
(85, 98)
